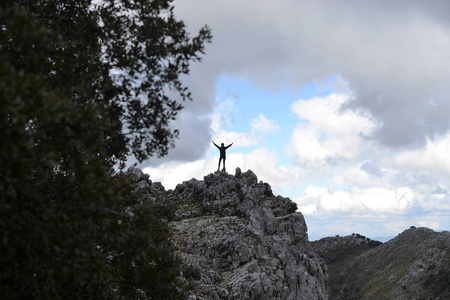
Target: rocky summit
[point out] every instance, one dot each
(238, 240)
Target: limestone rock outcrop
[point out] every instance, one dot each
(237, 240)
(240, 241)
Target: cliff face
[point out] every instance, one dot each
(239, 241)
(413, 265)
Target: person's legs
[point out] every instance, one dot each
(223, 164)
(218, 167)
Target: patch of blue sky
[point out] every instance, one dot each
(343, 187)
(322, 136)
(250, 100)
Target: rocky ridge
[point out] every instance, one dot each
(340, 249)
(413, 265)
(243, 242)
(237, 240)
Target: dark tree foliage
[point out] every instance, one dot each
(82, 86)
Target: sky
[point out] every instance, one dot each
(341, 106)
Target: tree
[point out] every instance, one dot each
(83, 86)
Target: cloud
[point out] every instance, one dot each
(239, 138)
(378, 213)
(171, 174)
(263, 125)
(356, 200)
(394, 56)
(193, 142)
(432, 158)
(328, 132)
(371, 169)
(429, 224)
(440, 191)
(225, 116)
(262, 162)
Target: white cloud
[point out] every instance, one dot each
(328, 132)
(173, 173)
(238, 138)
(317, 200)
(434, 157)
(384, 208)
(429, 224)
(264, 164)
(264, 126)
(260, 161)
(224, 116)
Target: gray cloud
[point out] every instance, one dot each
(394, 55)
(439, 190)
(371, 169)
(194, 139)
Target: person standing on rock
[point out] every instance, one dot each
(222, 150)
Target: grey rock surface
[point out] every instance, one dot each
(240, 241)
(237, 240)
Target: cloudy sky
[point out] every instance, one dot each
(342, 106)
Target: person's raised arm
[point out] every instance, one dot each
(229, 145)
(215, 144)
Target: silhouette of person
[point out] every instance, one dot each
(222, 150)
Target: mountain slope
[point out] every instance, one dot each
(413, 265)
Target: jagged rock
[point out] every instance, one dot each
(237, 240)
(143, 186)
(137, 174)
(242, 242)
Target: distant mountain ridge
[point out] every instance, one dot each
(413, 265)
